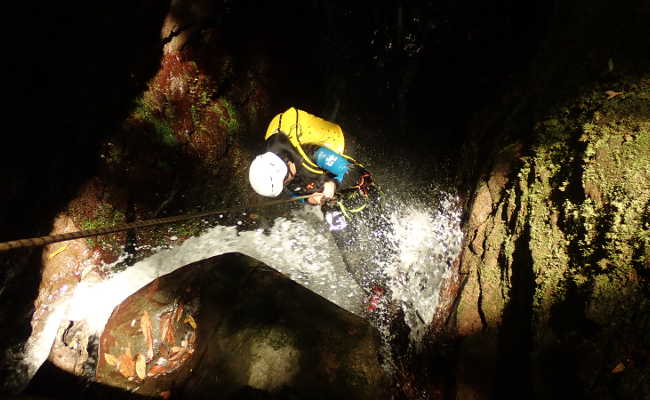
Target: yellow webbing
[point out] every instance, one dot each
(345, 210)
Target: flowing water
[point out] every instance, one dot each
(426, 240)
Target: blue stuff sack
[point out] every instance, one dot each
(332, 162)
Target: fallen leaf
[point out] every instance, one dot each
(190, 320)
(156, 370)
(169, 337)
(178, 312)
(611, 94)
(126, 366)
(172, 365)
(620, 367)
(110, 359)
(57, 251)
(140, 366)
(178, 355)
(164, 326)
(176, 349)
(145, 325)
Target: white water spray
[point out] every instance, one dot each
(426, 240)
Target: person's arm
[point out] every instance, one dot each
(336, 166)
(327, 193)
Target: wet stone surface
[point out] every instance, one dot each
(233, 326)
(151, 335)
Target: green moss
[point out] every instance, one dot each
(228, 115)
(582, 194)
(142, 109)
(164, 132)
(585, 210)
(188, 229)
(105, 216)
(145, 110)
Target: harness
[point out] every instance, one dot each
(356, 198)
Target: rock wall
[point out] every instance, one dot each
(557, 255)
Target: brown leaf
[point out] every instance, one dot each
(164, 326)
(611, 94)
(167, 327)
(190, 320)
(110, 359)
(156, 370)
(145, 325)
(126, 366)
(620, 367)
(178, 312)
(170, 338)
(140, 366)
(178, 355)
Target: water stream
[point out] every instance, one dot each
(427, 239)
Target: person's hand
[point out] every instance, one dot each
(323, 196)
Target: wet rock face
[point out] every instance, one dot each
(556, 255)
(151, 335)
(70, 350)
(232, 326)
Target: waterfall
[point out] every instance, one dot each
(426, 239)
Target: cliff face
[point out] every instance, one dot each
(557, 254)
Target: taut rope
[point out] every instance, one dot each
(43, 240)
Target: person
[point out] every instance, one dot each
(304, 155)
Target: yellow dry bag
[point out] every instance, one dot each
(303, 128)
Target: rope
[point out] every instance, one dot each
(43, 240)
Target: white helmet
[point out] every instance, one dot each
(266, 174)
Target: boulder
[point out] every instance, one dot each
(233, 326)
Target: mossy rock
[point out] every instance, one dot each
(557, 256)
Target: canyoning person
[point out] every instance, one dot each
(304, 155)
